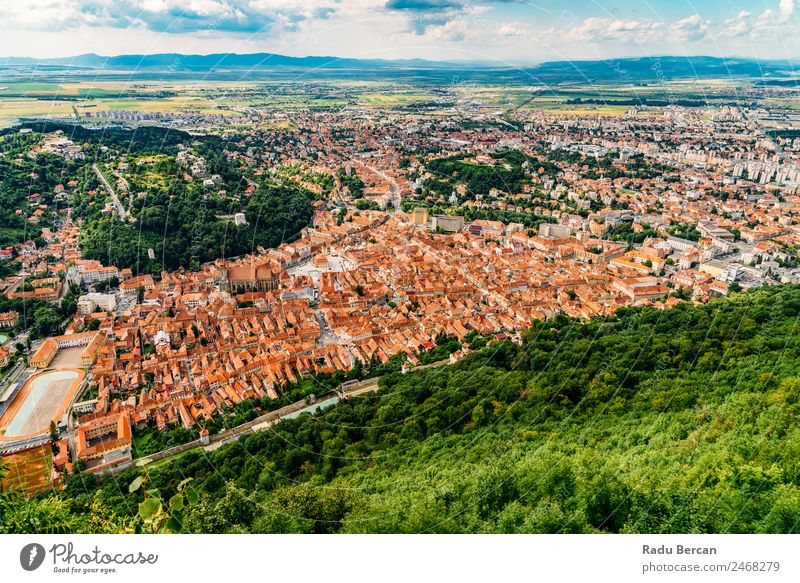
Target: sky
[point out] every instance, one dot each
(503, 31)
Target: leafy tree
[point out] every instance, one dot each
(647, 420)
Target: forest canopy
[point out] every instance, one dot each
(679, 420)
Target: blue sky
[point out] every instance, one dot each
(517, 31)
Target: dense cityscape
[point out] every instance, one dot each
(176, 280)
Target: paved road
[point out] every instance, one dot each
(123, 214)
(267, 420)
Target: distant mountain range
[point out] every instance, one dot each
(217, 61)
(644, 69)
(654, 69)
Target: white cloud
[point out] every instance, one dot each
(451, 31)
(41, 14)
(202, 8)
(170, 16)
(737, 27)
(513, 29)
(765, 26)
(690, 29)
(609, 29)
(400, 28)
(785, 10)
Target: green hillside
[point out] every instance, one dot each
(682, 420)
(185, 220)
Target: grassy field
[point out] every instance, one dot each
(15, 87)
(394, 99)
(29, 99)
(147, 177)
(26, 99)
(12, 109)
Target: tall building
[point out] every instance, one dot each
(448, 224)
(554, 231)
(420, 216)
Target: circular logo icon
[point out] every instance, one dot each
(31, 556)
